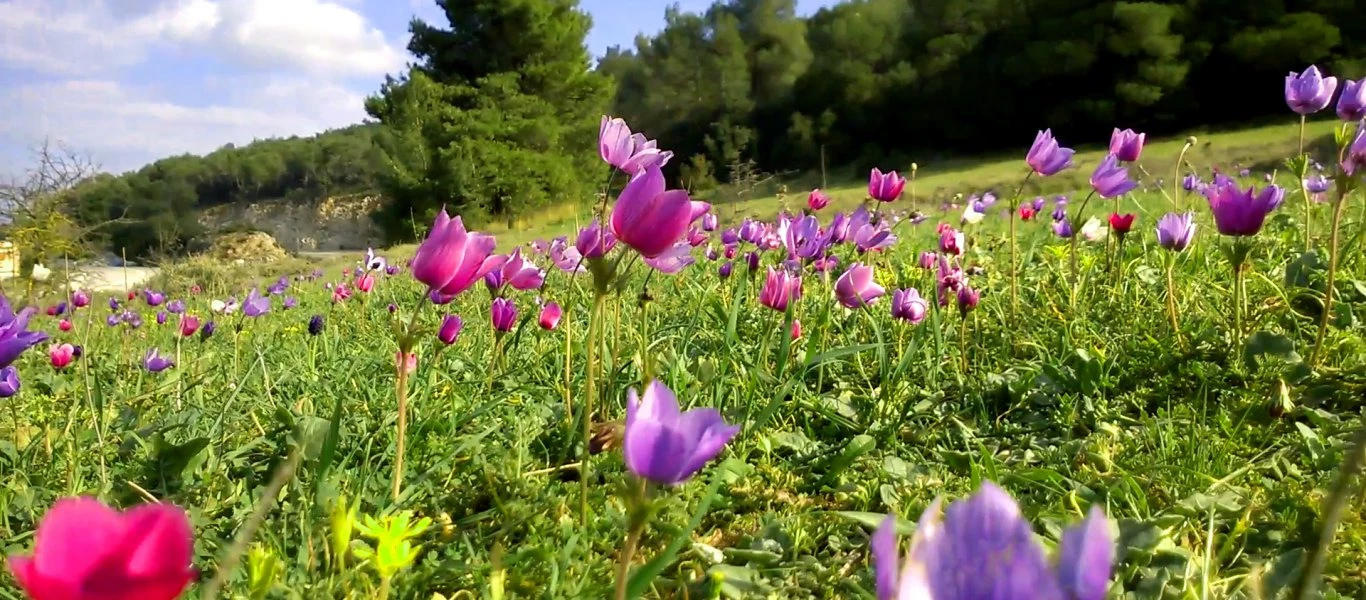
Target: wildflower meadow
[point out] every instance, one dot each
(1149, 387)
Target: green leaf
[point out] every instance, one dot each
(1267, 343)
(641, 579)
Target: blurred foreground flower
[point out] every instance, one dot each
(666, 446)
(982, 548)
(85, 550)
(9, 381)
(157, 363)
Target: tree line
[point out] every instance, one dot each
(496, 117)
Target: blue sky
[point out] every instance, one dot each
(125, 82)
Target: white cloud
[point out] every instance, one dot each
(124, 126)
(67, 37)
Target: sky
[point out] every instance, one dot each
(125, 82)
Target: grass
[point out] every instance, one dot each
(1087, 397)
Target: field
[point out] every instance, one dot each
(1212, 446)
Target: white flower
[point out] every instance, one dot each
(1094, 231)
(41, 273)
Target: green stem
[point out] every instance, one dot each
(590, 391)
(1171, 299)
(1014, 265)
(1304, 189)
(401, 391)
(634, 532)
(963, 343)
(1332, 279)
(1076, 231)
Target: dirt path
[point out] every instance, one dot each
(111, 279)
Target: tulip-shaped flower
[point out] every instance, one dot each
(85, 550)
(450, 328)
(366, 282)
(665, 446)
(1126, 145)
(672, 260)
(153, 298)
(951, 242)
(61, 355)
(1110, 180)
(1175, 231)
(189, 324)
(780, 289)
(15, 337)
(80, 299)
(856, 288)
(649, 218)
(1046, 157)
(630, 152)
(315, 325)
(967, 299)
(1355, 158)
(1121, 224)
(817, 200)
(157, 363)
(550, 316)
(1352, 102)
(594, 241)
(885, 187)
(255, 305)
(1240, 213)
(725, 269)
(451, 259)
(907, 305)
(1309, 92)
(503, 313)
(515, 271)
(983, 548)
(9, 381)
(207, 330)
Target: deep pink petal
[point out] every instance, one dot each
(75, 537)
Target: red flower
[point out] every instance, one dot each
(1026, 213)
(1122, 223)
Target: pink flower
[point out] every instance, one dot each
(61, 355)
(550, 316)
(817, 200)
(85, 550)
(856, 288)
(340, 293)
(64, 325)
(648, 218)
(366, 282)
(796, 329)
(188, 325)
(452, 259)
(409, 365)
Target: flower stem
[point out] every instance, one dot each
(1075, 232)
(401, 391)
(1171, 299)
(636, 528)
(1304, 189)
(1332, 279)
(590, 391)
(1014, 266)
(963, 343)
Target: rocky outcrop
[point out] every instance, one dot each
(335, 223)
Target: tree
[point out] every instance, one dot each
(498, 117)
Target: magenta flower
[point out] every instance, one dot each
(1352, 102)
(503, 313)
(967, 299)
(665, 446)
(1126, 145)
(515, 271)
(1309, 92)
(566, 257)
(594, 241)
(452, 259)
(817, 200)
(1241, 213)
(885, 187)
(780, 289)
(983, 548)
(450, 328)
(80, 299)
(856, 288)
(951, 242)
(907, 305)
(1046, 157)
(1111, 180)
(648, 218)
(630, 152)
(550, 316)
(85, 550)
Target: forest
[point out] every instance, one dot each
(496, 118)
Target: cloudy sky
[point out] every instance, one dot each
(129, 81)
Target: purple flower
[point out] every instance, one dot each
(156, 363)
(907, 305)
(161, 317)
(630, 152)
(1352, 102)
(1046, 157)
(1309, 92)
(967, 299)
(983, 548)
(9, 381)
(290, 302)
(780, 288)
(175, 306)
(1175, 231)
(803, 237)
(153, 298)
(752, 260)
(279, 286)
(1126, 145)
(374, 262)
(504, 314)
(594, 241)
(885, 187)
(1111, 180)
(1316, 183)
(515, 271)
(1190, 182)
(1037, 205)
(1062, 228)
(709, 222)
(255, 305)
(1355, 158)
(725, 270)
(856, 288)
(113, 303)
(80, 299)
(315, 325)
(15, 337)
(207, 330)
(672, 260)
(450, 329)
(665, 446)
(1241, 213)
